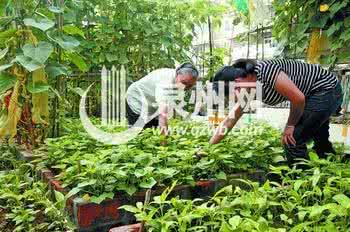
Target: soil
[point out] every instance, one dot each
(5, 226)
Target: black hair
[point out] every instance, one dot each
(240, 68)
(244, 67)
(226, 73)
(187, 67)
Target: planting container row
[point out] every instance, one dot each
(90, 217)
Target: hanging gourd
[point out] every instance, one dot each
(40, 101)
(317, 45)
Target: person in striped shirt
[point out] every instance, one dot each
(314, 93)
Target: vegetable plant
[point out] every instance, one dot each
(97, 171)
(314, 199)
(27, 205)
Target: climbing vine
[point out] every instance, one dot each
(317, 29)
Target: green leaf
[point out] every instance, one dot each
(334, 28)
(39, 53)
(317, 210)
(70, 16)
(131, 189)
(343, 200)
(4, 20)
(78, 61)
(123, 59)
(55, 70)
(224, 227)
(319, 21)
(336, 7)
(5, 35)
(102, 197)
(166, 41)
(73, 30)
(38, 87)
(297, 184)
(344, 56)
(313, 156)
(235, 221)
(77, 90)
(86, 183)
(111, 57)
(4, 66)
(347, 22)
(149, 183)
(6, 82)
(59, 196)
(167, 171)
(43, 23)
(227, 190)
(3, 52)
(73, 192)
(221, 176)
(130, 208)
(315, 177)
(56, 9)
(28, 63)
(345, 35)
(67, 42)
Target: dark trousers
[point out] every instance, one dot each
(134, 117)
(314, 125)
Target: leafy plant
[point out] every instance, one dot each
(295, 20)
(27, 205)
(93, 170)
(313, 199)
(28, 61)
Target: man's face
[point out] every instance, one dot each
(185, 82)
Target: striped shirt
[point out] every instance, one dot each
(309, 78)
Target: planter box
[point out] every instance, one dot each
(346, 135)
(90, 217)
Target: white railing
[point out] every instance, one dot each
(113, 93)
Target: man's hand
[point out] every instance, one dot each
(287, 137)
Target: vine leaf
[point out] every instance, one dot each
(78, 61)
(4, 66)
(3, 52)
(6, 82)
(73, 30)
(38, 87)
(56, 9)
(28, 63)
(42, 23)
(67, 42)
(39, 53)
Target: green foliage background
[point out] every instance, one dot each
(294, 20)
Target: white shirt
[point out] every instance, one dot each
(149, 92)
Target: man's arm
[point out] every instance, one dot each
(288, 89)
(234, 115)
